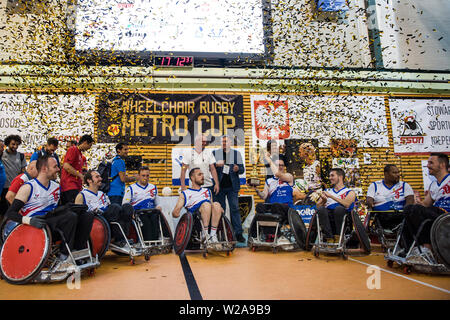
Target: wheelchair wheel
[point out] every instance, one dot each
(361, 232)
(25, 253)
(440, 239)
(183, 233)
(296, 223)
(311, 235)
(228, 229)
(100, 236)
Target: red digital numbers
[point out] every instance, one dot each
(175, 61)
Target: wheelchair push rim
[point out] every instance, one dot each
(183, 233)
(25, 253)
(296, 223)
(100, 237)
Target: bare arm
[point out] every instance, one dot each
(125, 178)
(183, 175)
(79, 199)
(370, 202)
(178, 206)
(10, 197)
(346, 202)
(71, 170)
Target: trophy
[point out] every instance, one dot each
(254, 155)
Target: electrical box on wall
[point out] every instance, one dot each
(332, 5)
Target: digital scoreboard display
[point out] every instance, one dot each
(226, 29)
(163, 61)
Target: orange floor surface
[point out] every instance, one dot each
(244, 274)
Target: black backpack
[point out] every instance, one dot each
(104, 169)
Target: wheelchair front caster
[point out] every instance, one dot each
(147, 257)
(390, 264)
(132, 262)
(91, 272)
(228, 253)
(274, 250)
(316, 252)
(205, 255)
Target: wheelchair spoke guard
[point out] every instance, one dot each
(183, 233)
(361, 232)
(440, 238)
(25, 253)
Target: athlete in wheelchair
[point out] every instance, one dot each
(422, 241)
(112, 223)
(385, 201)
(276, 225)
(204, 226)
(152, 230)
(49, 243)
(336, 226)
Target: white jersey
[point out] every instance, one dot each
(279, 191)
(311, 176)
(41, 199)
(440, 193)
(141, 197)
(200, 160)
(95, 201)
(342, 194)
(193, 198)
(393, 198)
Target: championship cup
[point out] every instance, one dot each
(253, 155)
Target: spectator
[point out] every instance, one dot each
(72, 176)
(14, 163)
(119, 175)
(18, 181)
(199, 157)
(49, 148)
(229, 166)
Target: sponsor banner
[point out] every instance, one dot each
(167, 118)
(38, 117)
(361, 118)
(177, 160)
(306, 212)
(420, 126)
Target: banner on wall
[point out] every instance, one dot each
(37, 117)
(362, 118)
(166, 118)
(420, 126)
(177, 160)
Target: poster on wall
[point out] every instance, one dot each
(278, 117)
(420, 126)
(179, 153)
(167, 118)
(37, 117)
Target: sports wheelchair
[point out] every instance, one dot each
(353, 238)
(29, 254)
(188, 235)
(138, 246)
(436, 261)
(277, 232)
(383, 226)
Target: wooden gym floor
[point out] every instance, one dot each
(246, 275)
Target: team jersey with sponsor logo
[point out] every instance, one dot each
(393, 198)
(141, 197)
(332, 204)
(41, 199)
(279, 191)
(95, 201)
(440, 193)
(194, 198)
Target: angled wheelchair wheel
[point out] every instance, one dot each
(183, 233)
(165, 227)
(440, 239)
(361, 232)
(311, 235)
(228, 230)
(299, 228)
(100, 236)
(25, 253)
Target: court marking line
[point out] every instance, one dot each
(402, 276)
(193, 289)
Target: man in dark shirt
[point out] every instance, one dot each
(229, 166)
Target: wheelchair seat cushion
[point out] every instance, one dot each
(269, 217)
